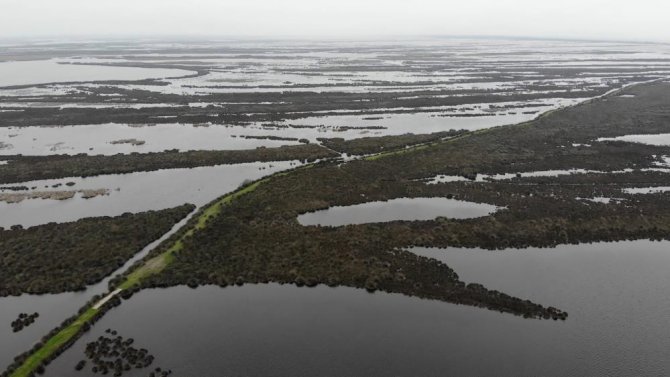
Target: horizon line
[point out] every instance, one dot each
(324, 38)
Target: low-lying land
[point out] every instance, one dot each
(256, 238)
(54, 258)
(27, 168)
(252, 235)
(252, 107)
(371, 145)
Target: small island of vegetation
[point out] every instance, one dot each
(24, 320)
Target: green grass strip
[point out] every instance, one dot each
(53, 344)
(159, 262)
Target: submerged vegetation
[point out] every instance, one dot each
(116, 354)
(58, 340)
(23, 320)
(54, 258)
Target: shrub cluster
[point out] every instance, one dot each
(24, 320)
(54, 258)
(28, 168)
(113, 353)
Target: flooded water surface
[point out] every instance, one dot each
(134, 192)
(247, 94)
(51, 71)
(397, 209)
(260, 330)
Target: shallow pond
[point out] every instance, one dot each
(108, 139)
(134, 192)
(615, 294)
(397, 209)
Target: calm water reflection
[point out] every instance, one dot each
(53, 309)
(616, 295)
(135, 192)
(54, 70)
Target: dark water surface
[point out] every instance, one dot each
(616, 295)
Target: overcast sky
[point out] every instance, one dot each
(584, 19)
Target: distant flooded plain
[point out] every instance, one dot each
(616, 324)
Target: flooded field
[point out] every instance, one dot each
(51, 71)
(303, 328)
(235, 89)
(114, 138)
(109, 139)
(147, 97)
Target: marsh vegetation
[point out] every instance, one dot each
(257, 238)
(26, 168)
(55, 258)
